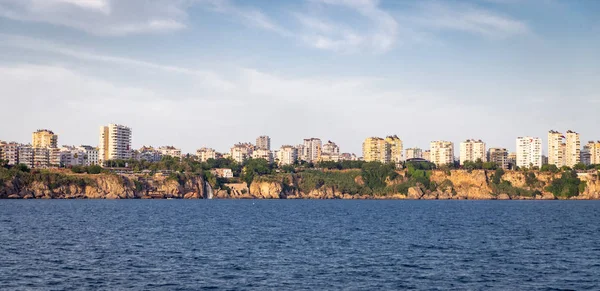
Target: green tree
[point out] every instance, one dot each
(255, 167)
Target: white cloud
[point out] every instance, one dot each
(101, 17)
(347, 35)
(435, 15)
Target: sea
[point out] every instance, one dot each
(299, 245)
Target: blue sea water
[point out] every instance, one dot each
(298, 245)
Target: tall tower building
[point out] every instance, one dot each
(114, 143)
(572, 149)
(395, 148)
(263, 142)
(471, 150)
(442, 152)
(529, 151)
(376, 149)
(312, 149)
(44, 138)
(593, 149)
(556, 148)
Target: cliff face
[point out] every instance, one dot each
(105, 186)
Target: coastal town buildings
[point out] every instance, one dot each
(442, 152)
(222, 173)
(414, 153)
(204, 154)
(330, 152)
(593, 147)
(263, 142)
(241, 151)
(376, 149)
(312, 150)
(25, 155)
(41, 158)
(90, 155)
(512, 160)
(498, 156)
(556, 148)
(148, 153)
(529, 152)
(44, 138)
(287, 155)
(396, 149)
(472, 150)
(10, 152)
(572, 149)
(348, 157)
(427, 155)
(170, 151)
(585, 155)
(114, 143)
(263, 154)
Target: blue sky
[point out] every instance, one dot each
(195, 73)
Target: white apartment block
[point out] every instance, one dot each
(263, 154)
(572, 149)
(114, 143)
(330, 152)
(10, 152)
(556, 148)
(414, 153)
(395, 148)
(312, 150)
(594, 152)
(427, 155)
(529, 152)
(204, 154)
(471, 150)
(26, 155)
(170, 151)
(241, 151)
(442, 152)
(263, 142)
(90, 155)
(287, 155)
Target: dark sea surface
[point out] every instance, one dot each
(299, 244)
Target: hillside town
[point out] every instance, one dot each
(562, 150)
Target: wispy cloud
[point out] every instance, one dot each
(205, 77)
(101, 17)
(466, 18)
(346, 35)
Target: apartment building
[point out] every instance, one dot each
(414, 153)
(10, 152)
(287, 155)
(204, 154)
(593, 147)
(427, 155)
(472, 150)
(330, 152)
(170, 151)
(114, 143)
(44, 138)
(25, 155)
(376, 149)
(498, 156)
(442, 152)
(396, 149)
(312, 150)
(348, 157)
(572, 149)
(529, 152)
(263, 154)
(90, 155)
(263, 142)
(556, 148)
(41, 158)
(241, 151)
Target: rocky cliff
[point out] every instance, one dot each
(102, 186)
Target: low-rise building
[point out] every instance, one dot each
(442, 152)
(427, 155)
(348, 157)
(26, 155)
(263, 154)
(414, 153)
(222, 173)
(149, 154)
(204, 154)
(170, 151)
(287, 155)
(241, 151)
(10, 152)
(90, 155)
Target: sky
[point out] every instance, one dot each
(195, 73)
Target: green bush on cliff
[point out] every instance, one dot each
(341, 181)
(567, 186)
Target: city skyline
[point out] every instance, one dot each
(197, 73)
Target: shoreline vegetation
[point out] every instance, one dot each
(257, 179)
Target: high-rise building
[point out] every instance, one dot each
(396, 148)
(529, 152)
(594, 150)
(556, 148)
(330, 152)
(287, 155)
(41, 157)
(427, 155)
(442, 152)
(114, 143)
(586, 155)
(376, 149)
(10, 153)
(572, 149)
(472, 150)
(414, 153)
(263, 142)
(44, 138)
(498, 156)
(204, 154)
(26, 155)
(312, 150)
